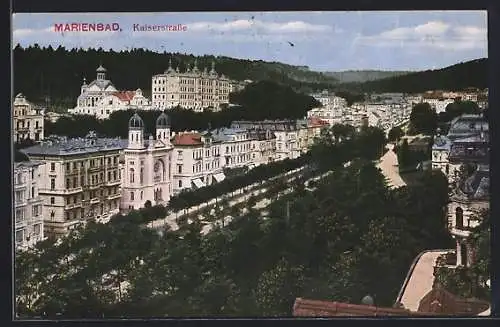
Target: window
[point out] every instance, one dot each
(35, 211)
(33, 192)
(180, 183)
(52, 200)
(114, 175)
(141, 176)
(19, 236)
(131, 175)
(179, 169)
(52, 166)
(132, 196)
(37, 229)
(142, 194)
(32, 174)
(52, 183)
(67, 183)
(459, 217)
(68, 166)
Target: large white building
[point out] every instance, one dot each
(147, 174)
(27, 205)
(27, 120)
(193, 89)
(79, 181)
(236, 149)
(100, 98)
(197, 160)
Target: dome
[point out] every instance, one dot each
(136, 122)
(101, 69)
(163, 121)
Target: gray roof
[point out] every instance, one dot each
(27, 164)
(62, 146)
(101, 83)
(467, 125)
(441, 142)
(477, 185)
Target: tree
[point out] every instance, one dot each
(423, 119)
(458, 108)
(395, 134)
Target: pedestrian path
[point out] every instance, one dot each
(389, 166)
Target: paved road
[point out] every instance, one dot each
(389, 166)
(421, 280)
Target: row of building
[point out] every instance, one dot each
(463, 157)
(72, 180)
(194, 89)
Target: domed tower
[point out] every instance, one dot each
(101, 73)
(163, 128)
(84, 86)
(136, 132)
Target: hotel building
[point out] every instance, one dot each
(27, 120)
(79, 180)
(193, 89)
(27, 205)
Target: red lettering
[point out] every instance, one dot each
(92, 27)
(58, 27)
(67, 28)
(184, 28)
(107, 28)
(116, 27)
(100, 27)
(85, 27)
(74, 27)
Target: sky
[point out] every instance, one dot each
(323, 41)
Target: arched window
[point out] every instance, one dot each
(459, 217)
(142, 194)
(131, 175)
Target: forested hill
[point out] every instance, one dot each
(360, 76)
(58, 73)
(457, 77)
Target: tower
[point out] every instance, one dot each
(136, 132)
(84, 85)
(101, 73)
(163, 128)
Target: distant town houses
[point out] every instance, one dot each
(100, 98)
(194, 88)
(27, 120)
(463, 156)
(28, 205)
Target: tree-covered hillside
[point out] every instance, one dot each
(457, 77)
(41, 72)
(350, 76)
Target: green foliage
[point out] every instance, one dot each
(423, 119)
(456, 77)
(350, 237)
(59, 72)
(395, 134)
(459, 108)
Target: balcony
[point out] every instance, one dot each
(94, 200)
(463, 232)
(113, 183)
(20, 186)
(73, 190)
(114, 196)
(20, 203)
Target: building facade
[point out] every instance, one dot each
(79, 180)
(193, 89)
(28, 205)
(100, 98)
(147, 174)
(197, 160)
(236, 149)
(263, 146)
(27, 120)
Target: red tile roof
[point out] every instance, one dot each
(187, 139)
(124, 95)
(314, 121)
(314, 308)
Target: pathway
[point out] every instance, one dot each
(421, 279)
(389, 166)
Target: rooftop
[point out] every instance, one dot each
(63, 146)
(187, 139)
(27, 164)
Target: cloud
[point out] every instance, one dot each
(258, 26)
(434, 34)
